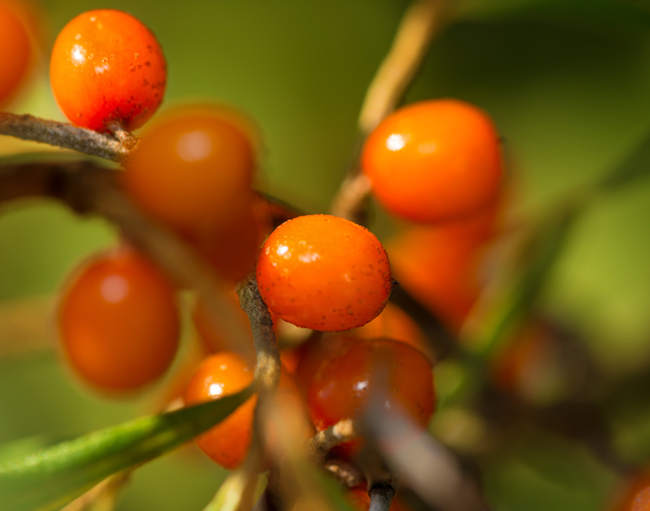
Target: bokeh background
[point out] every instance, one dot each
(568, 85)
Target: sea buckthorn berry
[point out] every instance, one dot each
(220, 375)
(342, 384)
(440, 267)
(312, 353)
(323, 272)
(119, 321)
(107, 67)
(15, 49)
(635, 495)
(193, 170)
(394, 323)
(433, 161)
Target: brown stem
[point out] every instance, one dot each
(28, 127)
(420, 23)
(90, 189)
(267, 370)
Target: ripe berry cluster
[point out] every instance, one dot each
(435, 163)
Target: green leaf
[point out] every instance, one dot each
(50, 478)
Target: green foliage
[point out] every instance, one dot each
(50, 478)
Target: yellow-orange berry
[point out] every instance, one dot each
(15, 49)
(107, 67)
(323, 272)
(435, 160)
(119, 321)
(220, 375)
(193, 170)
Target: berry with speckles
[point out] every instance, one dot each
(323, 272)
(107, 67)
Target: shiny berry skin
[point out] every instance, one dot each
(311, 354)
(343, 382)
(220, 375)
(119, 322)
(212, 338)
(15, 49)
(323, 272)
(107, 67)
(193, 170)
(433, 161)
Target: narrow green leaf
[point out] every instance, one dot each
(52, 477)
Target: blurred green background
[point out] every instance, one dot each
(568, 85)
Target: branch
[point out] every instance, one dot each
(381, 495)
(410, 45)
(396, 72)
(67, 136)
(91, 189)
(268, 367)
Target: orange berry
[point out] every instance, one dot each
(119, 321)
(323, 272)
(440, 268)
(635, 496)
(15, 49)
(193, 170)
(107, 67)
(435, 160)
(221, 375)
(395, 324)
(342, 383)
(312, 353)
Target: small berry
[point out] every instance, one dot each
(220, 375)
(433, 161)
(119, 322)
(193, 170)
(440, 267)
(15, 49)
(342, 383)
(323, 272)
(107, 67)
